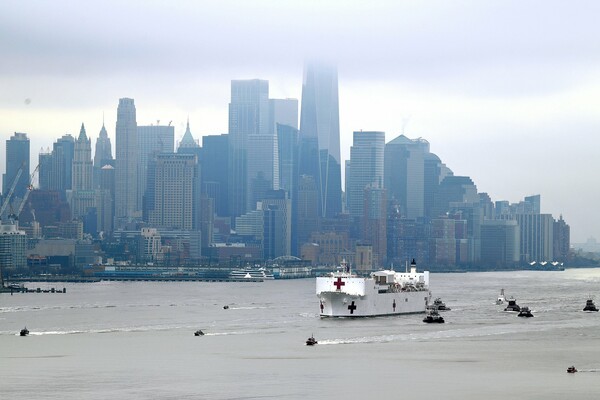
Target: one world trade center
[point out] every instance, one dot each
(320, 136)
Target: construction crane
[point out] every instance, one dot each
(11, 191)
(26, 196)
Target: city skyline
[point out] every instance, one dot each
(511, 108)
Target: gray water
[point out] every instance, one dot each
(134, 340)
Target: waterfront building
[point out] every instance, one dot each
(443, 242)
(13, 245)
(499, 243)
(407, 239)
(561, 239)
(126, 163)
(248, 115)
(320, 136)
(17, 157)
(150, 245)
(329, 247)
(536, 234)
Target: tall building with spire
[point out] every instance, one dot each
(82, 187)
(102, 154)
(82, 162)
(320, 136)
(126, 163)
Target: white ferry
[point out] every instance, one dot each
(387, 292)
(256, 272)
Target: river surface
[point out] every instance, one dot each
(134, 340)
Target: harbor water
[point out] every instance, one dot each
(134, 340)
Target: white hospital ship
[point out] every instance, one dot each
(387, 292)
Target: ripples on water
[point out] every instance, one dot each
(106, 335)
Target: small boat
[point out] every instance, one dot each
(199, 333)
(24, 332)
(311, 341)
(512, 305)
(433, 316)
(590, 306)
(501, 299)
(525, 312)
(571, 369)
(225, 307)
(440, 305)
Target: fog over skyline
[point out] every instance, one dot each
(505, 91)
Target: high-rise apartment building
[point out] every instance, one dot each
(320, 136)
(366, 168)
(248, 115)
(17, 157)
(126, 163)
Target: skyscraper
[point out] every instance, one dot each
(405, 174)
(82, 162)
(248, 115)
(176, 183)
(151, 140)
(215, 161)
(83, 196)
(320, 136)
(282, 112)
(17, 156)
(366, 168)
(102, 154)
(126, 163)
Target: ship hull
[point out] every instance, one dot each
(340, 304)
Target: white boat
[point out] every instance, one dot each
(501, 299)
(251, 273)
(387, 292)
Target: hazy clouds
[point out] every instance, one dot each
(505, 91)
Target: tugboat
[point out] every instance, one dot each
(590, 306)
(199, 333)
(311, 341)
(501, 299)
(571, 369)
(525, 312)
(440, 305)
(24, 332)
(433, 316)
(512, 305)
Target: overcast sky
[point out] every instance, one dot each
(506, 92)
